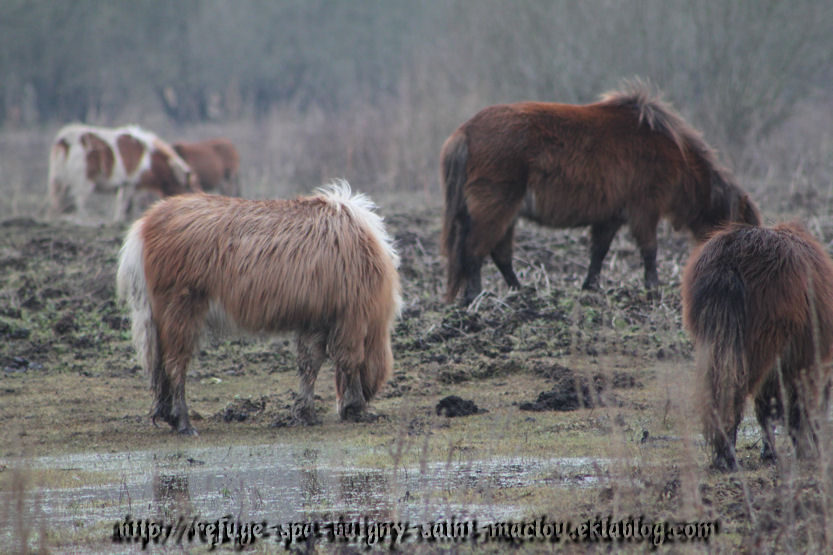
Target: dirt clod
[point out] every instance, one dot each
(65, 324)
(239, 410)
(453, 406)
(570, 392)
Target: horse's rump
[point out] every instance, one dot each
(758, 303)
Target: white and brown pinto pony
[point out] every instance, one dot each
(215, 162)
(123, 160)
(322, 266)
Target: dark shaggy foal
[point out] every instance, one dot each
(758, 303)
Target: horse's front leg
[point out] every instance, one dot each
(601, 235)
(312, 348)
(644, 231)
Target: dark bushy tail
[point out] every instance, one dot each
(716, 317)
(454, 157)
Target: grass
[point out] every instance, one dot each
(69, 384)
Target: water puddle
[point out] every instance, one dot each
(284, 483)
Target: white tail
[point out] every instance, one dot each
(131, 286)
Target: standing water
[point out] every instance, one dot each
(275, 485)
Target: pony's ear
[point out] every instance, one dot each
(717, 199)
(748, 211)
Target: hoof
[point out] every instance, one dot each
(164, 417)
(591, 285)
(305, 420)
(722, 464)
(652, 289)
(357, 413)
(371, 417)
(187, 431)
(304, 416)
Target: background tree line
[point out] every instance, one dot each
(374, 86)
(199, 59)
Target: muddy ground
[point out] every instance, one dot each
(547, 371)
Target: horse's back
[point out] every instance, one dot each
(787, 279)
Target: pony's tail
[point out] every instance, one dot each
(454, 156)
(378, 359)
(131, 287)
(717, 320)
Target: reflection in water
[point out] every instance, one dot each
(366, 491)
(171, 497)
(287, 483)
(312, 490)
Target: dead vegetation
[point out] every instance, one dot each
(617, 362)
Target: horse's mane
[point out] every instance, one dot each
(660, 116)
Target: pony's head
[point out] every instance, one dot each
(726, 203)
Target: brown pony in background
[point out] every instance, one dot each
(215, 162)
(322, 266)
(758, 303)
(626, 159)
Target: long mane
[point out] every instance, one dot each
(660, 116)
(652, 110)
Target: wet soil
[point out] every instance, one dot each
(544, 371)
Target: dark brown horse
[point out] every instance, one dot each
(626, 159)
(758, 303)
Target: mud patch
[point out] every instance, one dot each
(625, 380)
(19, 364)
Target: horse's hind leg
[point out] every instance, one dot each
(169, 386)
(473, 282)
(179, 409)
(502, 257)
(312, 348)
(768, 408)
(163, 395)
(803, 416)
(644, 232)
(178, 334)
(720, 422)
(490, 231)
(463, 265)
(348, 358)
(601, 235)
(61, 197)
(722, 437)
